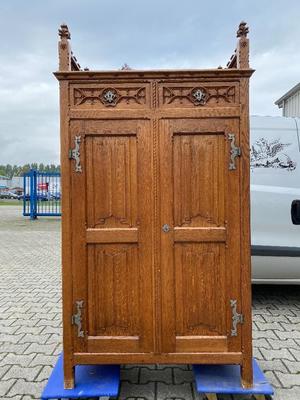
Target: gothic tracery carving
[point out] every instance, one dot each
(199, 95)
(109, 96)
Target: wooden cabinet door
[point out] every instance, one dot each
(200, 236)
(112, 237)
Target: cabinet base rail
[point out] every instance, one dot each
(104, 381)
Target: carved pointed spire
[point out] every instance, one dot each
(64, 49)
(242, 50)
(64, 32)
(243, 30)
(125, 67)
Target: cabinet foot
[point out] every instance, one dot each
(69, 376)
(211, 396)
(247, 374)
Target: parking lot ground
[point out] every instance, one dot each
(30, 323)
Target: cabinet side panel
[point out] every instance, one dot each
(66, 229)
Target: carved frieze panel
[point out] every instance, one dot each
(172, 95)
(109, 96)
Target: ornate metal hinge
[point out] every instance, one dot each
(74, 154)
(236, 317)
(77, 318)
(234, 151)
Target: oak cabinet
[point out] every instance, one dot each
(155, 249)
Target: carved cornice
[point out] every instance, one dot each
(132, 75)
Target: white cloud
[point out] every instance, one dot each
(145, 34)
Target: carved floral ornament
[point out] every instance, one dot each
(199, 95)
(109, 97)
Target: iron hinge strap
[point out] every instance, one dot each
(235, 151)
(236, 317)
(74, 154)
(76, 318)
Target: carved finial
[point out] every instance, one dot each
(64, 32)
(243, 30)
(125, 67)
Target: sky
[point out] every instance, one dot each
(142, 33)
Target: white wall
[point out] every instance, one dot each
(291, 106)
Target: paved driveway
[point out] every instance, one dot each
(30, 323)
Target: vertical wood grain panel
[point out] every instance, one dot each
(246, 294)
(79, 250)
(168, 321)
(66, 236)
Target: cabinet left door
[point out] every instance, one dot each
(111, 201)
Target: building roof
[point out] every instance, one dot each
(288, 94)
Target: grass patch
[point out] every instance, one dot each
(10, 202)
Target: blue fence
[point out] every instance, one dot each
(42, 194)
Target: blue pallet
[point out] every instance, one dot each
(90, 381)
(226, 379)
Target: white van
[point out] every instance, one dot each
(275, 199)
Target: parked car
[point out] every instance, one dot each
(9, 195)
(55, 196)
(275, 199)
(39, 197)
(13, 195)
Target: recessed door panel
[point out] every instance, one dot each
(198, 270)
(112, 187)
(114, 290)
(198, 195)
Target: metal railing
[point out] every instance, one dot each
(42, 194)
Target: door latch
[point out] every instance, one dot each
(74, 154)
(234, 151)
(166, 228)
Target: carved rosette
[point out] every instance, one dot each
(109, 96)
(198, 95)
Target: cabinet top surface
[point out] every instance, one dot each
(217, 73)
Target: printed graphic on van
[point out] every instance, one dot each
(269, 154)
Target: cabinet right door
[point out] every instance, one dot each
(200, 235)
